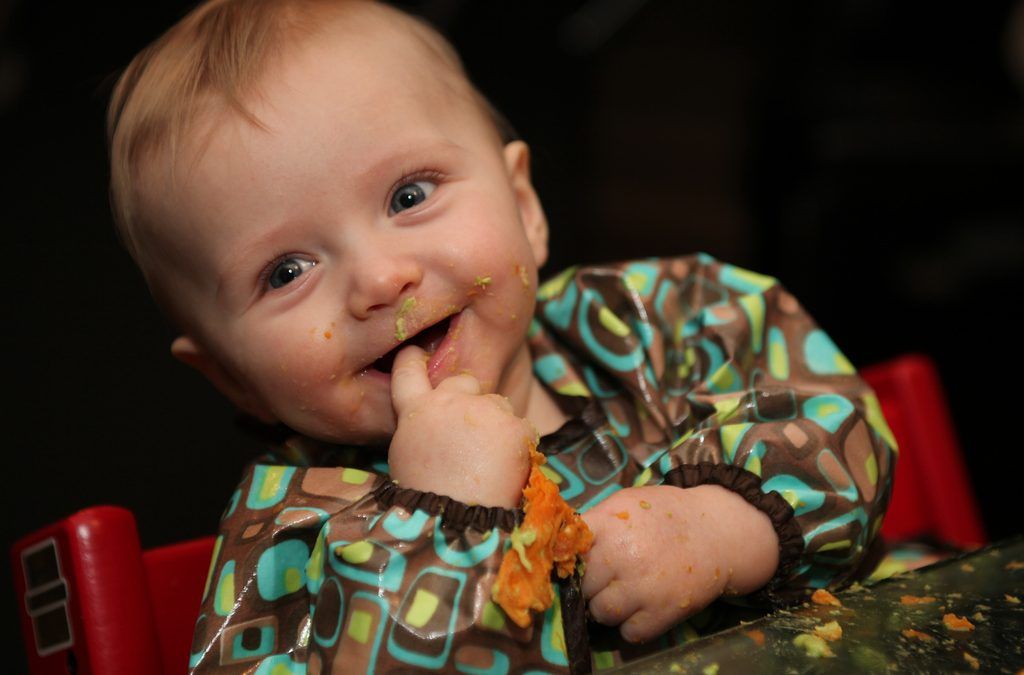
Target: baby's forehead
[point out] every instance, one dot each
(363, 23)
(372, 50)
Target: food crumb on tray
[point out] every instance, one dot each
(917, 635)
(830, 631)
(813, 646)
(823, 597)
(957, 623)
(757, 635)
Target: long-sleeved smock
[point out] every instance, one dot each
(684, 371)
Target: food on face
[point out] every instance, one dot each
(480, 284)
(524, 276)
(428, 339)
(404, 310)
(551, 536)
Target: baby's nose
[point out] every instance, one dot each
(380, 281)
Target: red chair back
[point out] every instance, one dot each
(932, 492)
(176, 576)
(92, 602)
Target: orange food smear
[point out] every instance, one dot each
(622, 515)
(957, 623)
(916, 634)
(823, 597)
(916, 599)
(557, 536)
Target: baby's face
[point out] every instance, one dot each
(375, 207)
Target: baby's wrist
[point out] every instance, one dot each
(732, 538)
(743, 539)
(474, 482)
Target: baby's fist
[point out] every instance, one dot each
(654, 562)
(455, 441)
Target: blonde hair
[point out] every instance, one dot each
(221, 49)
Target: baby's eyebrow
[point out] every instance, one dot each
(407, 153)
(247, 258)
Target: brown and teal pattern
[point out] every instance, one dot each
(698, 372)
(696, 362)
(311, 576)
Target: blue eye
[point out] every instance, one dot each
(288, 270)
(411, 194)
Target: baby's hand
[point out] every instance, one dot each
(455, 441)
(662, 553)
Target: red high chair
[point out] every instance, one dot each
(932, 492)
(93, 602)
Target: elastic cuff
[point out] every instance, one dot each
(748, 485)
(454, 514)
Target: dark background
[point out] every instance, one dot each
(869, 153)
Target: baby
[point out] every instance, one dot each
(348, 240)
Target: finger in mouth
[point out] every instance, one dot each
(427, 339)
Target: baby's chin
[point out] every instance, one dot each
(337, 433)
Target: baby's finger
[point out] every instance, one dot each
(463, 383)
(502, 402)
(599, 572)
(409, 379)
(614, 604)
(643, 625)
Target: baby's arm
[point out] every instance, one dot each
(750, 395)
(454, 441)
(662, 553)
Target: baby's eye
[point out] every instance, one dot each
(410, 194)
(288, 270)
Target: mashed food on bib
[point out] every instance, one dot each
(551, 536)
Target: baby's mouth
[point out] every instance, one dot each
(427, 339)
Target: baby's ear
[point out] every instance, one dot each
(191, 353)
(517, 163)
